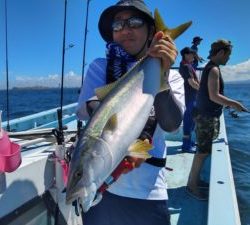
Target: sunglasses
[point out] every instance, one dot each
(133, 22)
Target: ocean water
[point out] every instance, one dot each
(25, 102)
(238, 132)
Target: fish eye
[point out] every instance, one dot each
(78, 174)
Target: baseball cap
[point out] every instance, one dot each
(218, 45)
(197, 38)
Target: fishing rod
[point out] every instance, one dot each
(79, 122)
(234, 113)
(247, 111)
(59, 132)
(7, 68)
(63, 52)
(85, 40)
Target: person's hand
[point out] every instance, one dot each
(164, 48)
(239, 107)
(135, 163)
(201, 60)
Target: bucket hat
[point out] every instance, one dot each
(107, 16)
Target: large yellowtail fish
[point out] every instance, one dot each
(116, 123)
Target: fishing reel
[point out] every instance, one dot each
(234, 113)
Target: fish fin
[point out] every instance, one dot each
(140, 148)
(103, 91)
(173, 33)
(112, 123)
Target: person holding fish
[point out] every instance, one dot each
(139, 196)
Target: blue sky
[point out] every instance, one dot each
(35, 35)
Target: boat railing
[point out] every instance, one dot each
(198, 70)
(43, 119)
(177, 68)
(222, 195)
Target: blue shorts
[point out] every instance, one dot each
(117, 210)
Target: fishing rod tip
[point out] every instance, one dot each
(246, 110)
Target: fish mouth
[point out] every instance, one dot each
(85, 196)
(71, 199)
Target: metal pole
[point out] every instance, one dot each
(7, 67)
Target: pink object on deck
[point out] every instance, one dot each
(65, 167)
(10, 154)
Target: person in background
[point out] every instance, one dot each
(210, 103)
(196, 41)
(139, 196)
(191, 86)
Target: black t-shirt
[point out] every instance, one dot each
(204, 105)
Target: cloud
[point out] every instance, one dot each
(71, 79)
(237, 72)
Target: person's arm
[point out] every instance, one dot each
(187, 73)
(190, 77)
(91, 105)
(94, 78)
(170, 104)
(215, 96)
(199, 58)
(193, 83)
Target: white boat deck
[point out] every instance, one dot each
(183, 208)
(28, 180)
(37, 174)
(222, 206)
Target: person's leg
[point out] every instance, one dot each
(99, 214)
(204, 134)
(188, 126)
(194, 175)
(187, 120)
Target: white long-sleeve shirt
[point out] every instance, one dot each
(147, 181)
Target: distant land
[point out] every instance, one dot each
(31, 88)
(39, 88)
(46, 87)
(51, 87)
